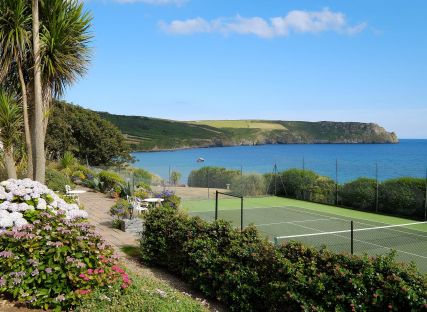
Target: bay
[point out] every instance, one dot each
(345, 161)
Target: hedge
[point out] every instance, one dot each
(359, 194)
(248, 273)
(216, 177)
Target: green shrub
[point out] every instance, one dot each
(249, 185)
(247, 273)
(120, 209)
(403, 196)
(217, 177)
(170, 199)
(110, 180)
(141, 176)
(56, 180)
(54, 262)
(359, 194)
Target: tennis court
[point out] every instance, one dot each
(317, 225)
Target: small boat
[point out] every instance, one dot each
(200, 159)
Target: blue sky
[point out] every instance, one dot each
(260, 59)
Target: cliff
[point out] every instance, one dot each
(151, 134)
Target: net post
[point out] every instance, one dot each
(425, 200)
(351, 238)
(216, 205)
(241, 213)
(336, 182)
(376, 188)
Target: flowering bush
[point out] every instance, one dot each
(19, 196)
(170, 199)
(120, 209)
(49, 256)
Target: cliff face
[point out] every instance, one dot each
(145, 133)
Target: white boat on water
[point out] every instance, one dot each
(200, 159)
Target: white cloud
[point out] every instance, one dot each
(296, 21)
(154, 2)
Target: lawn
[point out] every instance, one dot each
(254, 124)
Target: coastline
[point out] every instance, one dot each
(236, 145)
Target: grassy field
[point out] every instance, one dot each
(254, 124)
(146, 133)
(283, 219)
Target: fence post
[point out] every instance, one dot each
(216, 205)
(351, 238)
(275, 178)
(425, 201)
(377, 188)
(336, 182)
(241, 213)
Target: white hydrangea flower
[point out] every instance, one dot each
(20, 222)
(4, 213)
(74, 214)
(4, 205)
(41, 204)
(16, 216)
(5, 222)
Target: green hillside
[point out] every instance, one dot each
(144, 133)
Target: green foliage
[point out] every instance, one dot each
(217, 177)
(175, 177)
(67, 160)
(56, 180)
(141, 176)
(83, 132)
(247, 273)
(10, 120)
(359, 194)
(170, 199)
(249, 185)
(144, 133)
(146, 294)
(403, 196)
(120, 209)
(55, 262)
(110, 180)
(143, 191)
(304, 185)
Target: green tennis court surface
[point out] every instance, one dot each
(287, 219)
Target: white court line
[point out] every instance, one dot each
(346, 220)
(289, 222)
(304, 211)
(361, 241)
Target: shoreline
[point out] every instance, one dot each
(237, 145)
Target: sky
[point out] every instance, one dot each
(260, 59)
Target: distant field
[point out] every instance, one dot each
(241, 124)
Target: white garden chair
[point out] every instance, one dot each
(69, 194)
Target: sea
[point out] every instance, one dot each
(344, 162)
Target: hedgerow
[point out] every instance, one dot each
(248, 273)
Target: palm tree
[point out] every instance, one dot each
(65, 51)
(10, 125)
(15, 33)
(58, 54)
(38, 135)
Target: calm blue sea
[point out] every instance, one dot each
(408, 158)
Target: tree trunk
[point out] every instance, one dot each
(39, 152)
(10, 163)
(28, 143)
